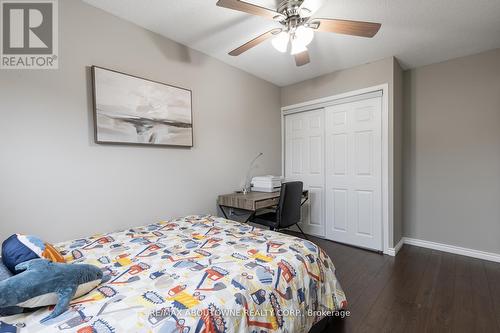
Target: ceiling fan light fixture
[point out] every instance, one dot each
(297, 47)
(280, 42)
(304, 34)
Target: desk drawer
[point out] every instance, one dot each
(267, 203)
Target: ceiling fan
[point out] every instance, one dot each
(298, 27)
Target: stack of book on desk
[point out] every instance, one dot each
(266, 184)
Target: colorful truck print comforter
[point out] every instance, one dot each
(197, 274)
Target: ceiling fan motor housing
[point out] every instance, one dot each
(291, 14)
(291, 8)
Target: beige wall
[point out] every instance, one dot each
(56, 183)
(380, 72)
(367, 75)
(452, 152)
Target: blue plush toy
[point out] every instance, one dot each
(4, 275)
(7, 328)
(44, 283)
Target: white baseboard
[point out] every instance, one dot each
(463, 251)
(393, 251)
(452, 249)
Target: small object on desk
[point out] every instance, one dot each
(266, 189)
(266, 184)
(269, 179)
(246, 187)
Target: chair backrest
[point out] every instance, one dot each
(288, 212)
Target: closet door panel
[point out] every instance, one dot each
(353, 173)
(305, 162)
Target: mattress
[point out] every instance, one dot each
(198, 274)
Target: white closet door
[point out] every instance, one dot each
(353, 134)
(304, 161)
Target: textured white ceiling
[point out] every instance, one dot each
(417, 32)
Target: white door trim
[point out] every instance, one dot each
(387, 195)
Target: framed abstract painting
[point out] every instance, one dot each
(132, 110)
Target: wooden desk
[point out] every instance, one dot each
(252, 201)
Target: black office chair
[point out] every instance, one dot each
(288, 211)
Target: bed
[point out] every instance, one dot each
(198, 274)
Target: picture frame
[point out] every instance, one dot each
(131, 110)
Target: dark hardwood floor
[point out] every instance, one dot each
(419, 290)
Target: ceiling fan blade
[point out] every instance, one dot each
(354, 28)
(302, 58)
(254, 42)
(249, 8)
